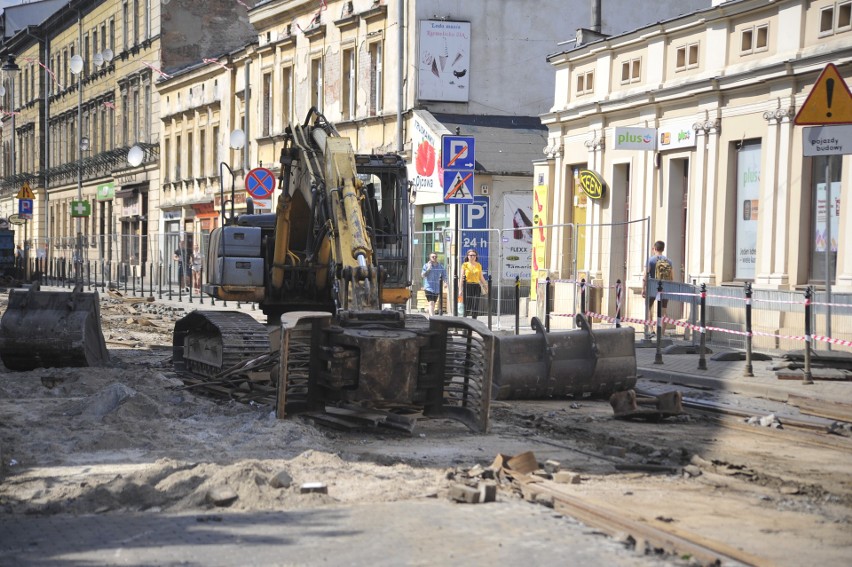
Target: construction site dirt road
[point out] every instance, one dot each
(125, 465)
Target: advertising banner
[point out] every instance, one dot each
(517, 244)
(748, 195)
(444, 69)
(643, 139)
(675, 137)
(425, 171)
(538, 235)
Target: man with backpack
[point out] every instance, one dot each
(658, 267)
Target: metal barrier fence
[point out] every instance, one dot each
(770, 319)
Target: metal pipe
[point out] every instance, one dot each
(400, 71)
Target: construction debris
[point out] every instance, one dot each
(626, 404)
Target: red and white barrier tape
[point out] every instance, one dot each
(832, 341)
(697, 328)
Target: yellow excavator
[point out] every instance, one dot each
(330, 270)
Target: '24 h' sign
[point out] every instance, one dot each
(474, 230)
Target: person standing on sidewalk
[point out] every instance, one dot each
(658, 267)
(197, 262)
(474, 283)
(433, 273)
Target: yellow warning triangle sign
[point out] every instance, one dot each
(829, 101)
(25, 192)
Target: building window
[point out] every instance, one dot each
(585, 82)
(287, 94)
(349, 83)
(177, 158)
(376, 80)
(836, 17)
(190, 155)
(754, 39)
(126, 20)
(167, 160)
(135, 22)
(267, 104)
(316, 77)
(631, 71)
(687, 57)
(202, 152)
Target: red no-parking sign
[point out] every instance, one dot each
(260, 183)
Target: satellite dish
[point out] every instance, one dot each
(76, 64)
(98, 59)
(2, 90)
(108, 55)
(135, 156)
(238, 139)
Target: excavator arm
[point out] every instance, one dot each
(332, 178)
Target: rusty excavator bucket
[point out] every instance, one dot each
(43, 329)
(574, 363)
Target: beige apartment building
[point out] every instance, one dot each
(83, 130)
(690, 124)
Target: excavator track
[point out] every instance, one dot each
(208, 343)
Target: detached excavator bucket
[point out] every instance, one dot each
(43, 329)
(576, 363)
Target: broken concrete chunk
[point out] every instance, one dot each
(566, 477)
(614, 451)
(465, 494)
(692, 470)
(313, 487)
(281, 479)
(487, 492)
(551, 466)
(221, 496)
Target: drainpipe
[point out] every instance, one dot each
(246, 119)
(400, 71)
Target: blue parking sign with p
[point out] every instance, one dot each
(25, 208)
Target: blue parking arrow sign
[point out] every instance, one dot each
(458, 152)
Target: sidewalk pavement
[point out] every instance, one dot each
(730, 376)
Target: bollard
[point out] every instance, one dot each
(618, 291)
(702, 347)
(488, 302)
(749, 370)
(693, 318)
(463, 295)
(151, 281)
(547, 304)
(658, 356)
(441, 295)
(135, 276)
(169, 279)
(89, 274)
(125, 279)
(160, 279)
(200, 285)
(142, 280)
(583, 296)
(517, 305)
(808, 378)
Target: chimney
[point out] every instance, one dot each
(596, 16)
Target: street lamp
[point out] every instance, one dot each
(77, 69)
(236, 141)
(10, 69)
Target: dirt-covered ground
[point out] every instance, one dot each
(130, 437)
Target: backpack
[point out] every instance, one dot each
(663, 269)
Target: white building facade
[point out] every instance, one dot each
(690, 123)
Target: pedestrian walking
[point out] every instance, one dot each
(473, 281)
(433, 273)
